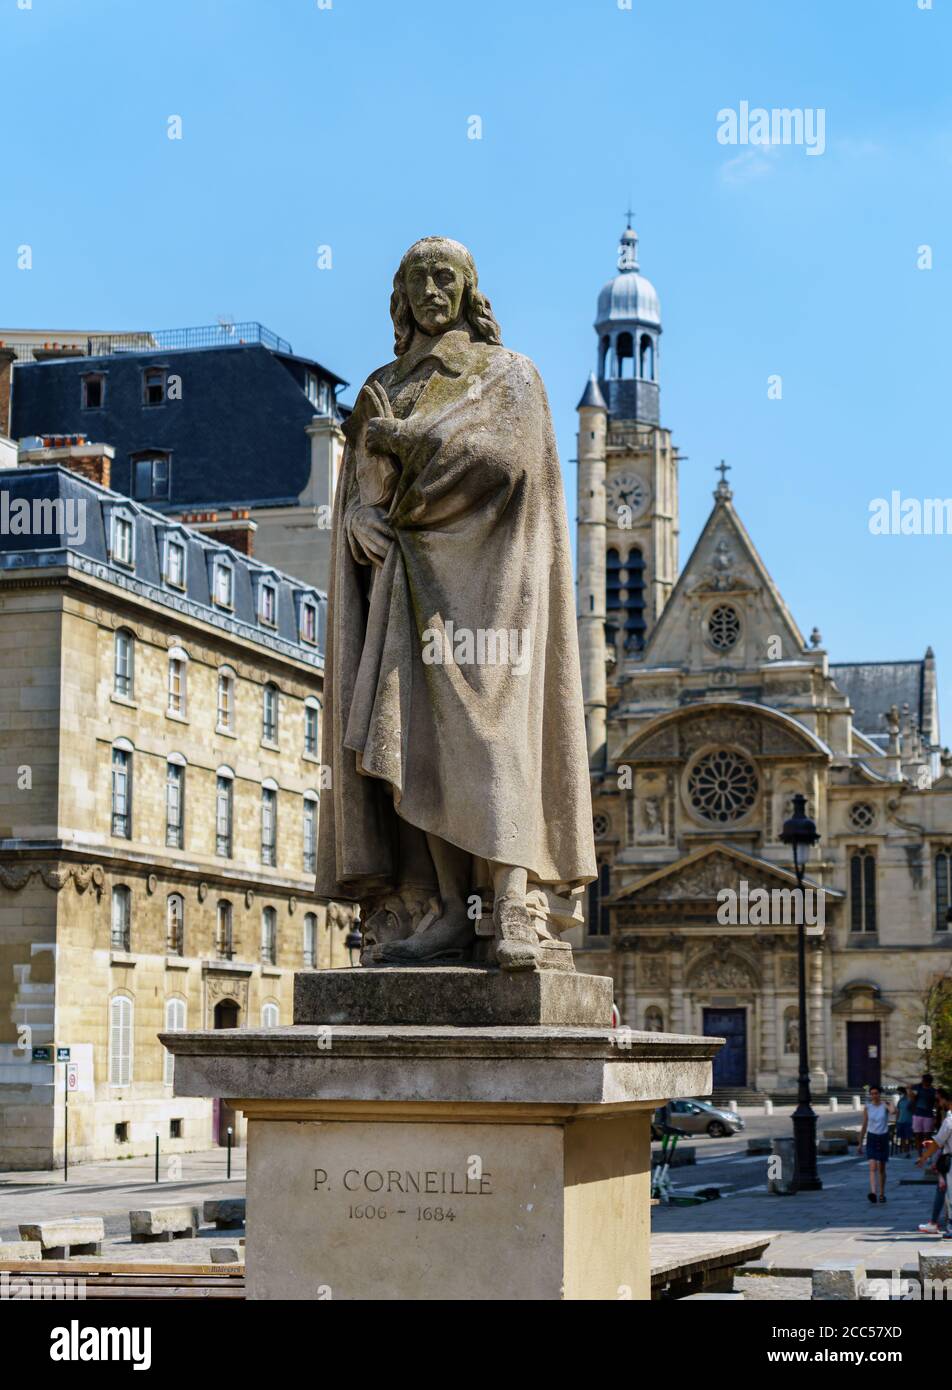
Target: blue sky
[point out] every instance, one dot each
(347, 127)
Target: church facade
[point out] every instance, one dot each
(707, 710)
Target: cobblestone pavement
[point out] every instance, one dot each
(765, 1288)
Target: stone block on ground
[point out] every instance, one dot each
(20, 1250)
(848, 1132)
(226, 1213)
(452, 996)
(225, 1255)
(759, 1146)
(164, 1223)
(782, 1183)
(832, 1146)
(71, 1236)
(838, 1282)
(933, 1264)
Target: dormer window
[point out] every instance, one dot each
(153, 386)
(94, 391)
(223, 588)
(150, 476)
(268, 604)
(122, 545)
(175, 563)
(308, 621)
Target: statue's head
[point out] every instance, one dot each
(434, 289)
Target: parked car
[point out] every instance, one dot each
(700, 1117)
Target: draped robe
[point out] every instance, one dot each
(490, 756)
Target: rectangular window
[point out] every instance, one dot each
(93, 392)
(122, 540)
(225, 700)
(269, 826)
(153, 386)
(175, 564)
(223, 817)
(269, 604)
(121, 925)
(151, 477)
(308, 622)
(943, 889)
(224, 946)
(122, 793)
(120, 1051)
(269, 933)
(176, 686)
(310, 941)
(310, 836)
(174, 805)
(269, 714)
(311, 730)
(862, 891)
(123, 673)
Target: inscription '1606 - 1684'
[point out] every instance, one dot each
(431, 1182)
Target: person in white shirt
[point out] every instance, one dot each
(939, 1147)
(875, 1135)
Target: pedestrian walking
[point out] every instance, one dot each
(923, 1111)
(904, 1108)
(939, 1149)
(875, 1135)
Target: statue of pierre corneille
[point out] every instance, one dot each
(453, 722)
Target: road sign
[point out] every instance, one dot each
(42, 1054)
(72, 1076)
(62, 1054)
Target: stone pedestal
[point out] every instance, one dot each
(444, 1162)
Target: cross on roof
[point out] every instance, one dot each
(629, 214)
(723, 468)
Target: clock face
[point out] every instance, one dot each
(627, 490)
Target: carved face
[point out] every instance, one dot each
(435, 283)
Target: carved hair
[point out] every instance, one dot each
(475, 308)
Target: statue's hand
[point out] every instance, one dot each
(384, 436)
(370, 528)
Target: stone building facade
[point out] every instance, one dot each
(160, 782)
(707, 710)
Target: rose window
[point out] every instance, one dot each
(723, 627)
(722, 786)
(862, 815)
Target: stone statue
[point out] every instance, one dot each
(453, 708)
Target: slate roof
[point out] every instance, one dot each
(237, 434)
(873, 686)
(89, 551)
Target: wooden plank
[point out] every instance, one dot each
(91, 1267)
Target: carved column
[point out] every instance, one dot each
(675, 944)
(818, 1073)
(627, 1004)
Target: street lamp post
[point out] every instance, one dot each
(800, 833)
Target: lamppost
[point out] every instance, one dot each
(800, 833)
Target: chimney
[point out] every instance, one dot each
(235, 529)
(72, 451)
(7, 358)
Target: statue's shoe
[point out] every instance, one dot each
(448, 941)
(517, 941)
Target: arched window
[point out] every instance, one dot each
(175, 801)
(654, 1019)
(862, 890)
(178, 670)
(224, 808)
(269, 936)
(121, 931)
(175, 924)
(174, 1023)
(224, 942)
(310, 940)
(625, 353)
(646, 359)
(269, 1016)
(943, 888)
(311, 807)
(120, 1040)
(123, 680)
(604, 358)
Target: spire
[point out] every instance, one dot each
(628, 248)
(592, 396)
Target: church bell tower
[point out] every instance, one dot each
(627, 490)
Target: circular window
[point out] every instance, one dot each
(722, 786)
(862, 815)
(600, 826)
(723, 627)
